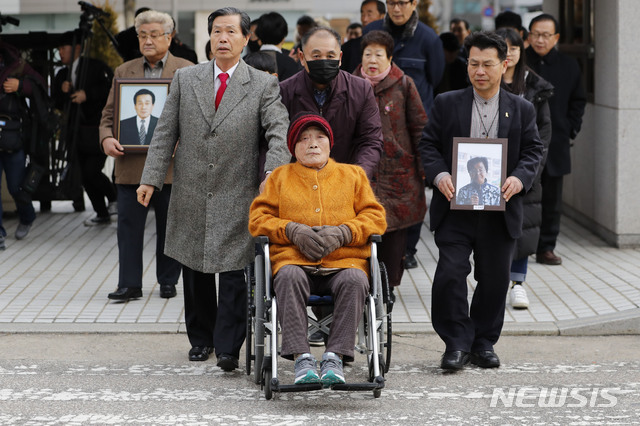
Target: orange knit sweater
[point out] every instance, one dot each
(336, 194)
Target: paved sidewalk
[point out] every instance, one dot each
(57, 280)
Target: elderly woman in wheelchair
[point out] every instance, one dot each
(319, 216)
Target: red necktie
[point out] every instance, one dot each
(223, 85)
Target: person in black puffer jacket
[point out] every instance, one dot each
(521, 80)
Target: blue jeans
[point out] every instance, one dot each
(519, 269)
(13, 164)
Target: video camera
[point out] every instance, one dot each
(4, 20)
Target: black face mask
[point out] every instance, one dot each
(253, 45)
(323, 71)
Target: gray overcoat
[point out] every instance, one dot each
(216, 162)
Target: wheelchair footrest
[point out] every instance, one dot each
(305, 387)
(358, 386)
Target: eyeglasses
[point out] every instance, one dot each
(545, 36)
(154, 36)
(400, 4)
(475, 65)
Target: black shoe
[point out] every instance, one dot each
(227, 362)
(98, 220)
(200, 353)
(167, 291)
(317, 339)
(454, 360)
(485, 359)
(410, 261)
(124, 293)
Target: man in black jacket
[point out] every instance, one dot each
(567, 107)
(271, 30)
(86, 89)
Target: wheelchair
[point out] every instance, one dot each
(262, 349)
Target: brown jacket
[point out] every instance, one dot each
(128, 168)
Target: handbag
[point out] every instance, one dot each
(32, 177)
(10, 134)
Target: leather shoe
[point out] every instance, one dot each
(167, 291)
(200, 353)
(548, 258)
(227, 362)
(124, 293)
(485, 359)
(454, 360)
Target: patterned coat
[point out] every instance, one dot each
(398, 181)
(215, 177)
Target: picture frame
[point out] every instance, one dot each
(479, 169)
(138, 97)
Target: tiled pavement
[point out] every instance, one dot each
(57, 280)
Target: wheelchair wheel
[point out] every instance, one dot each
(268, 392)
(250, 279)
(383, 312)
(258, 319)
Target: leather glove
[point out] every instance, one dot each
(306, 239)
(333, 237)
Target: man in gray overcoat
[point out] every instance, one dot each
(217, 111)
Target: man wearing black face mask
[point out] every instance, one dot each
(345, 101)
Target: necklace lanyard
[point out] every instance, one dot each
(486, 131)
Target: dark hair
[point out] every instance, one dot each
(245, 21)
(312, 31)
(382, 38)
(458, 20)
(306, 21)
(272, 28)
(139, 11)
(486, 40)
(354, 25)
(518, 85)
(475, 160)
(207, 49)
(144, 92)
(450, 42)
(382, 9)
(262, 61)
(508, 19)
(544, 17)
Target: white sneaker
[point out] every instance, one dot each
(519, 299)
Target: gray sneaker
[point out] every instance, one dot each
(331, 369)
(306, 369)
(22, 230)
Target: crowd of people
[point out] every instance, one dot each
(319, 147)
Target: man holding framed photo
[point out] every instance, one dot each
(481, 111)
(154, 35)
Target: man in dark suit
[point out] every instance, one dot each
(84, 84)
(138, 130)
(481, 111)
(567, 107)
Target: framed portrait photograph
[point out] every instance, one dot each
(139, 103)
(479, 169)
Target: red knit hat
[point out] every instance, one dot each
(303, 121)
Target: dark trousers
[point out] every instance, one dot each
(220, 323)
(391, 253)
(132, 217)
(461, 233)
(413, 236)
(13, 165)
(551, 211)
(293, 286)
(95, 183)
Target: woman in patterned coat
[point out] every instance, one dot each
(398, 180)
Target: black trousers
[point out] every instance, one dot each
(95, 183)
(132, 217)
(461, 233)
(551, 211)
(215, 323)
(391, 253)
